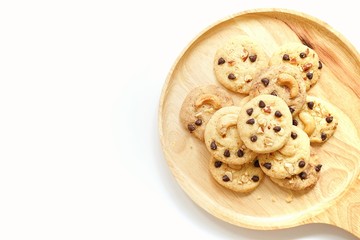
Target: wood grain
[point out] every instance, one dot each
(336, 197)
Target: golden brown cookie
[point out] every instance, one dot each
(237, 62)
(244, 178)
(301, 56)
(222, 138)
(264, 123)
(284, 81)
(291, 159)
(317, 119)
(303, 180)
(199, 105)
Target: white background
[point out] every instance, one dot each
(80, 82)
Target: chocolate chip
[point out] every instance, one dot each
(253, 138)
(302, 164)
(267, 165)
(191, 127)
(277, 129)
(249, 111)
(286, 57)
(227, 153)
(265, 81)
(256, 163)
(292, 110)
(221, 61)
(318, 167)
(225, 178)
(329, 119)
(253, 58)
(198, 122)
(231, 76)
(213, 145)
(293, 135)
(310, 105)
(309, 75)
(217, 164)
(251, 121)
(303, 175)
(320, 65)
(255, 178)
(323, 136)
(240, 153)
(274, 93)
(302, 55)
(278, 114)
(262, 104)
(295, 123)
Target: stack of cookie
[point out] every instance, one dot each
(265, 126)
(271, 134)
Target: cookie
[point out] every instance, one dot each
(317, 120)
(264, 123)
(222, 138)
(284, 81)
(305, 179)
(199, 105)
(291, 159)
(301, 56)
(244, 178)
(237, 62)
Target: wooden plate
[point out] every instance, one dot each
(336, 197)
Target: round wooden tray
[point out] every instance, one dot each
(269, 206)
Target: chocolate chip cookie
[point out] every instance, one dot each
(303, 180)
(264, 123)
(317, 120)
(289, 160)
(237, 62)
(222, 138)
(301, 56)
(199, 105)
(284, 81)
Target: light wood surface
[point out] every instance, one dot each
(336, 198)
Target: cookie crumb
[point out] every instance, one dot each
(289, 198)
(258, 198)
(273, 199)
